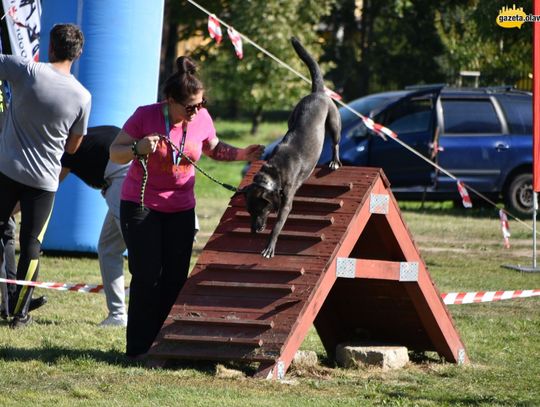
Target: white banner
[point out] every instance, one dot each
(23, 23)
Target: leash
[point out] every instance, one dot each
(178, 152)
(143, 160)
(210, 177)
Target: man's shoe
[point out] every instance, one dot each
(35, 303)
(20, 322)
(114, 320)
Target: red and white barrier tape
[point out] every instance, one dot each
(487, 296)
(81, 288)
(448, 298)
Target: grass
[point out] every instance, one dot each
(65, 359)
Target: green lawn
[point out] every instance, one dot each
(64, 358)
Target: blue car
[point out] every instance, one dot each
(483, 136)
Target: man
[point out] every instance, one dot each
(48, 114)
(91, 164)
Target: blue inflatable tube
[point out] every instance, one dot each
(120, 68)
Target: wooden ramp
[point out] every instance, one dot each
(345, 262)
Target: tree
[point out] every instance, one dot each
(256, 82)
(473, 41)
(379, 46)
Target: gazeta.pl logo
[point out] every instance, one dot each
(514, 17)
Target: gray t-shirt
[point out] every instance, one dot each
(46, 107)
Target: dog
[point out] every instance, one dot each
(295, 157)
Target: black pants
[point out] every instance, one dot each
(8, 268)
(36, 208)
(159, 251)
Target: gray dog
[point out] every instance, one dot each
(294, 159)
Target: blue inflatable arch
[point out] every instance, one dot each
(120, 67)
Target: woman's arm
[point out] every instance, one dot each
(220, 151)
(122, 150)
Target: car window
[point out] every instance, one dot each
(518, 112)
(410, 116)
(363, 106)
(470, 116)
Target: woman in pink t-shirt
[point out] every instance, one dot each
(159, 226)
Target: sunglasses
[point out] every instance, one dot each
(190, 109)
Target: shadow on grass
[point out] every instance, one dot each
(449, 209)
(54, 354)
(456, 400)
(51, 354)
(70, 254)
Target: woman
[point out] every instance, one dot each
(158, 219)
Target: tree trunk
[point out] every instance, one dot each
(256, 120)
(169, 38)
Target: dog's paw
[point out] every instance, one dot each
(334, 165)
(268, 252)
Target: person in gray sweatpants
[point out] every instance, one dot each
(111, 247)
(92, 165)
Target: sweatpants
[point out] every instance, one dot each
(111, 248)
(159, 251)
(36, 207)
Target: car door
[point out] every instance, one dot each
(475, 142)
(414, 119)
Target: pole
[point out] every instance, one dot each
(535, 210)
(536, 136)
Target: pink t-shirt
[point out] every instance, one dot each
(169, 187)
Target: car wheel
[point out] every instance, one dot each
(518, 196)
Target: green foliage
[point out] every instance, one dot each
(363, 46)
(256, 81)
(380, 46)
(473, 41)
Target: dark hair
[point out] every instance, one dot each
(66, 42)
(184, 82)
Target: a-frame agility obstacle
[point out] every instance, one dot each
(345, 262)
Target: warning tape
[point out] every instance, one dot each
(486, 296)
(448, 298)
(81, 288)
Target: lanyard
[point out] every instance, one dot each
(177, 156)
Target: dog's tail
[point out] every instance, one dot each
(317, 82)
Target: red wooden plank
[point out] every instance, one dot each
(248, 286)
(224, 321)
(213, 339)
(257, 269)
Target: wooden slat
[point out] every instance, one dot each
(318, 202)
(292, 235)
(214, 339)
(257, 269)
(246, 323)
(320, 220)
(248, 286)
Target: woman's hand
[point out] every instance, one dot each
(251, 153)
(148, 144)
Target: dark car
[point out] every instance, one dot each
(484, 137)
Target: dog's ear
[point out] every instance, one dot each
(273, 198)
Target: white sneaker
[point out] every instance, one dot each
(114, 320)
